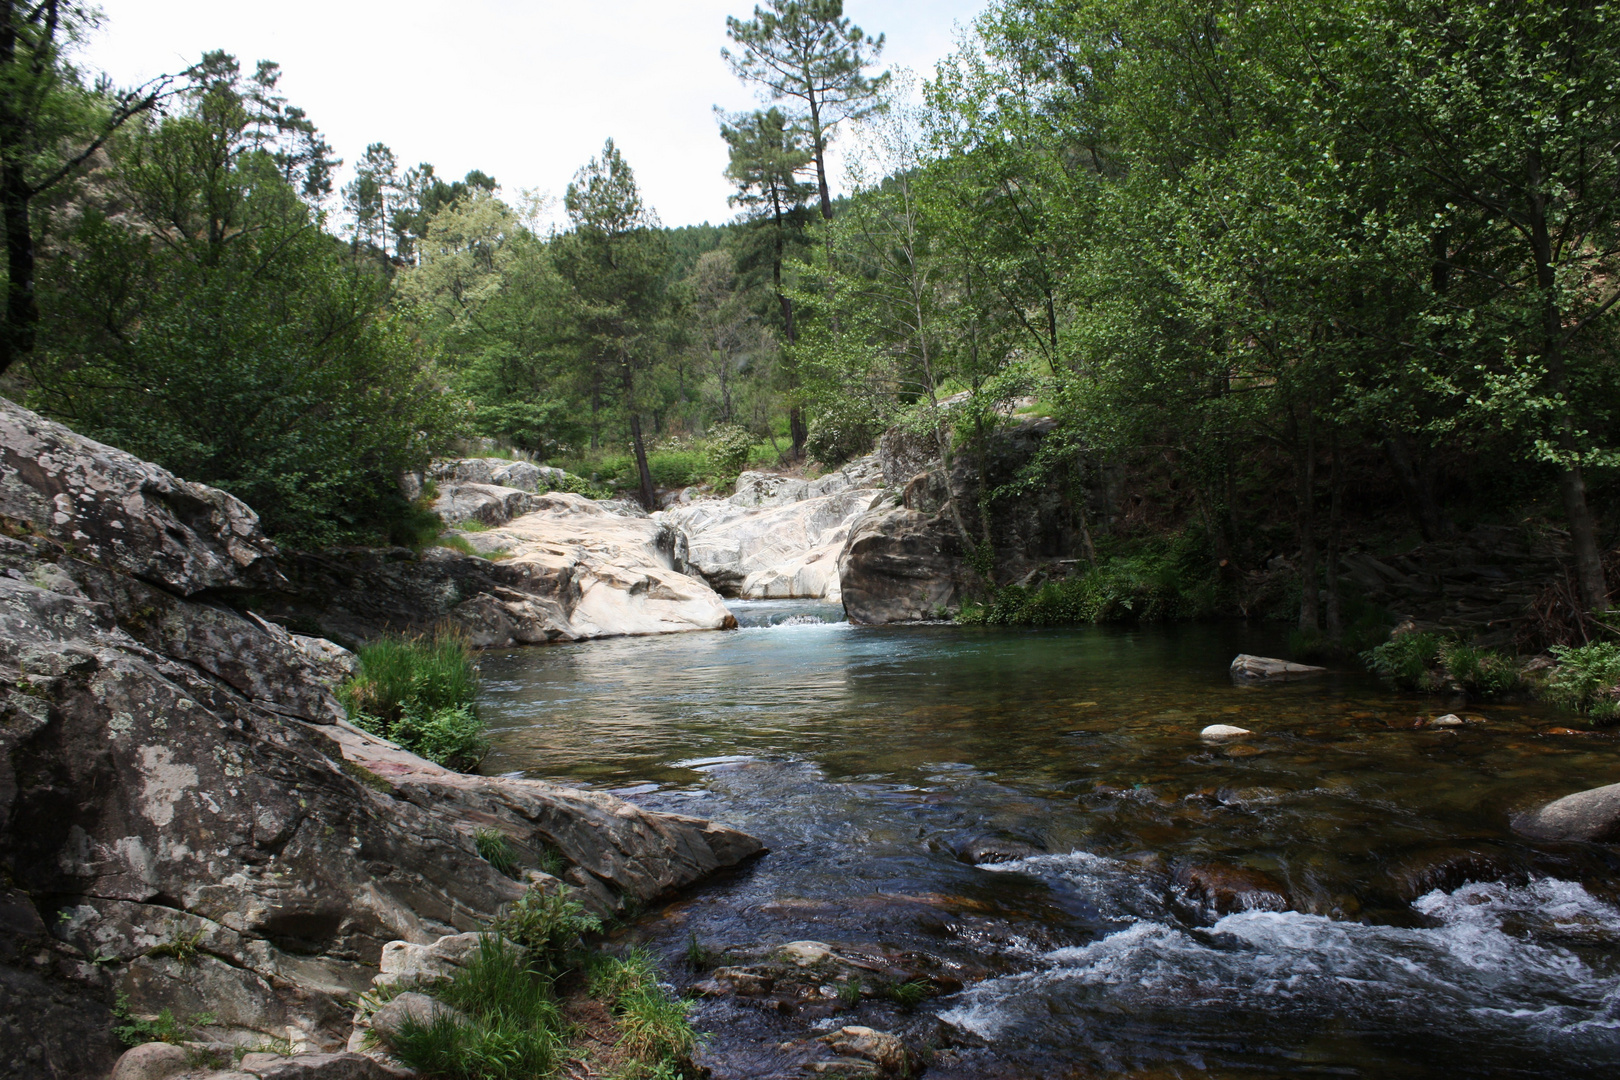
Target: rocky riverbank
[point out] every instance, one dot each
(187, 823)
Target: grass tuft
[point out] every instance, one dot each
(496, 849)
(420, 692)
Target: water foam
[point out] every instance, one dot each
(1502, 958)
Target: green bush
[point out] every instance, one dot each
(548, 925)
(1587, 679)
(420, 693)
(1480, 672)
(510, 1026)
(727, 452)
(1407, 660)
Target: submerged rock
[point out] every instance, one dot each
(1592, 815)
(1223, 731)
(1246, 668)
(1221, 889)
(884, 1050)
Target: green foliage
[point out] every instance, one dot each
(200, 318)
(458, 543)
(164, 1027)
(1587, 679)
(698, 956)
(727, 451)
(655, 1028)
(548, 925)
(420, 692)
(1150, 587)
(496, 849)
(909, 994)
(182, 946)
(510, 1028)
(1430, 662)
(1406, 659)
(849, 993)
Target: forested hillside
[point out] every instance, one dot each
(1291, 278)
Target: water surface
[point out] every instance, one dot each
(1029, 812)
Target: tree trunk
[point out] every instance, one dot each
(21, 317)
(1417, 486)
(1571, 484)
(1335, 607)
(649, 498)
(1309, 571)
(818, 140)
(798, 431)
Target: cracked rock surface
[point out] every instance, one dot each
(184, 818)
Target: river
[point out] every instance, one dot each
(1033, 813)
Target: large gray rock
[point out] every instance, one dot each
(1247, 668)
(408, 1007)
(771, 546)
(487, 504)
(127, 514)
(900, 566)
(210, 838)
(1592, 816)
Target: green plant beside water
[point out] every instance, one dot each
(420, 692)
(1587, 680)
(655, 1026)
(1149, 587)
(1429, 662)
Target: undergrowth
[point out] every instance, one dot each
(1148, 587)
(509, 1022)
(420, 692)
(1587, 680)
(1431, 663)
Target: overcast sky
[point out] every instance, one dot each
(524, 89)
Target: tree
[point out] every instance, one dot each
(51, 125)
(767, 154)
(808, 50)
(372, 199)
(201, 318)
(614, 261)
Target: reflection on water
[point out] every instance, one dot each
(1420, 937)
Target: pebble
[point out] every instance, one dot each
(1223, 731)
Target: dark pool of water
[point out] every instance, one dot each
(1420, 937)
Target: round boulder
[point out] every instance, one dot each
(1592, 816)
(151, 1061)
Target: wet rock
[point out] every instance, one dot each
(1448, 869)
(1450, 720)
(1592, 816)
(1223, 731)
(981, 850)
(884, 1050)
(389, 1020)
(744, 981)
(805, 953)
(152, 1061)
(1222, 889)
(1247, 668)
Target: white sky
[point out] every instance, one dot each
(526, 90)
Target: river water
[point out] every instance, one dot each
(1032, 815)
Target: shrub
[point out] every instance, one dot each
(548, 926)
(727, 452)
(1587, 679)
(510, 1027)
(1480, 672)
(164, 1027)
(1406, 660)
(420, 693)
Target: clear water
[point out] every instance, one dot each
(1420, 937)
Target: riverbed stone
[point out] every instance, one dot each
(884, 1050)
(1223, 731)
(1222, 889)
(1247, 668)
(421, 1009)
(1591, 816)
(805, 953)
(1449, 720)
